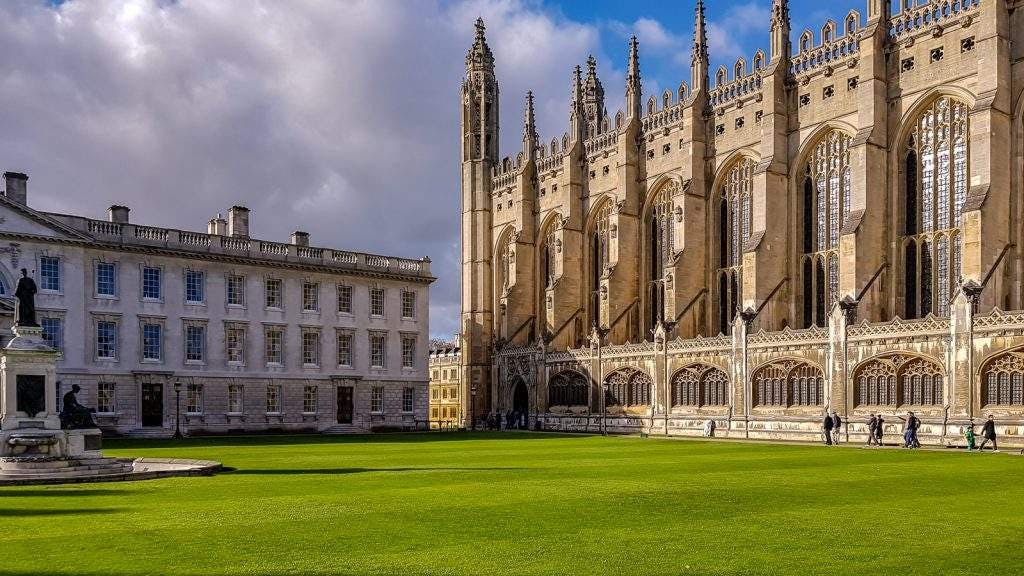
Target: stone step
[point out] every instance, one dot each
(41, 465)
(71, 472)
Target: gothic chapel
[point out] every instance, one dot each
(835, 225)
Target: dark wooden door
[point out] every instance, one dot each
(344, 404)
(153, 405)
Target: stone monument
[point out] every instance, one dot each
(30, 419)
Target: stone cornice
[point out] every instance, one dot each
(216, 257)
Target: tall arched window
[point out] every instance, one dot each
(659, 241)
(734, 209)
(826, 202)
(506, 256)
(935, 188)
(568, 388)
(789, 383)
(1002, 379)
(700, 385)
(628, 387)
(599, 258)
(550, 248)
(898, 380)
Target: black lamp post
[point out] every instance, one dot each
(177, 409)
(472, 406)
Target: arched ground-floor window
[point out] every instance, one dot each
(700, 385)
(1002, 379)
(897, 380)
(628, 387)
(788, 383)
(568, 388)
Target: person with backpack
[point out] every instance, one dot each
(988, 434)
(872, 426)
(826, 428)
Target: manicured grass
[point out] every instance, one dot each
(527, 504)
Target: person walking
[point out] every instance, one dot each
(988, 434)
(969, 435)
(872, 425)
(909, 424)
(826, 428)
(916, 426)
(879, 430)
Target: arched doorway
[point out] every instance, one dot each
(520, 404)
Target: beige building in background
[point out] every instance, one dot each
(445, 390)
(258, 335)
(834, 223)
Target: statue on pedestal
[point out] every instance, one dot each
(26, 295)
(74, 415)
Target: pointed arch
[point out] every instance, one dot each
(568, 388)
(627, 387)
(550, 247)
(1002, 378)
(932, 155)
(721, 76)
(788, 382)
(740, 68)
(759, 59)
(823, 182)
(828, 31)
(899, 379)
(598, 256)
(684, 91)
(698, 385)
(806, 41)
(852, 22)
(658, 246)
(731, 213)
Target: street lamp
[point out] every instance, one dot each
(177, 409)
(599, 334)
(472, 406)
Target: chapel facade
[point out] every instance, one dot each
(835, 225)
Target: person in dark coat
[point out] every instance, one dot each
(988, 434)
(872, 425)
(837, 427)
(879, 430)
(826, 427)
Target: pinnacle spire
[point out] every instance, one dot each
(529, 120)
(780, 27)
(479, 55)
(700, 62)
(633, 88)
(593, 99)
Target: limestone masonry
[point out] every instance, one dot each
(835, 225)
(256, 335)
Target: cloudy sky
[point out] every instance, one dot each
(332, 116)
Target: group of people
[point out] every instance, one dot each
(988, 434)
(832, 424)
(509, 421)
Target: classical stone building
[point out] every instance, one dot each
(257, 335)
(445, 392)
(831, 225)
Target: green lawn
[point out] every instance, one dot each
(527, 504)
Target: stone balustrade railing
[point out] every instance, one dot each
(150, 236)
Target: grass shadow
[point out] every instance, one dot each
(20, 512)
(330, 471)
(312, 439)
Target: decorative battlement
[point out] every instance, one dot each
(839, 51)
(928, 14)
(552, 161)
(601, 142)
(930, 325)
(660, 119)
(183, 240)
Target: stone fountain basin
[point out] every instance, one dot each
(126, 469)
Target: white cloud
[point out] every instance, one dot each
(340, 118)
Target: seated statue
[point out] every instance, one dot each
(74, 415)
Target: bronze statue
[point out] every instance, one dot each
(26, 295)
(74, 415)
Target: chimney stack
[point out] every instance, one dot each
(238, 222)
(218, 226)
(16, 187)
(300, 238)
(118, 214)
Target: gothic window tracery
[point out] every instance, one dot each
(659, 241)
(734, 223)
(700, 385)
(788, 383)
(826, 203)
(628, 387)
(599, 257)
(568, 388)
(898, 380)
(935, 188)
(549, 254)
(1003, 379)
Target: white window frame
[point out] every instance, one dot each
(43, 277)
(310, 296)
(194, 399)
(236, 395)
(350, 336)
(57, 342)
(96, 280)
(267, 282)
(106, 400)
(310, 394)
(377, 400)
(408, 400)
(190, 276)
(383, 302)
(229, 330)
(274, 392)
(159, 284)
(266, 345)
(407, 339)
(409, 297)
(202, 343)
(384, 349)
(228, 281)
(315, 348)
(116, 337)
(345, 296)
(142, 337)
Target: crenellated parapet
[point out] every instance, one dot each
(930, 17)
